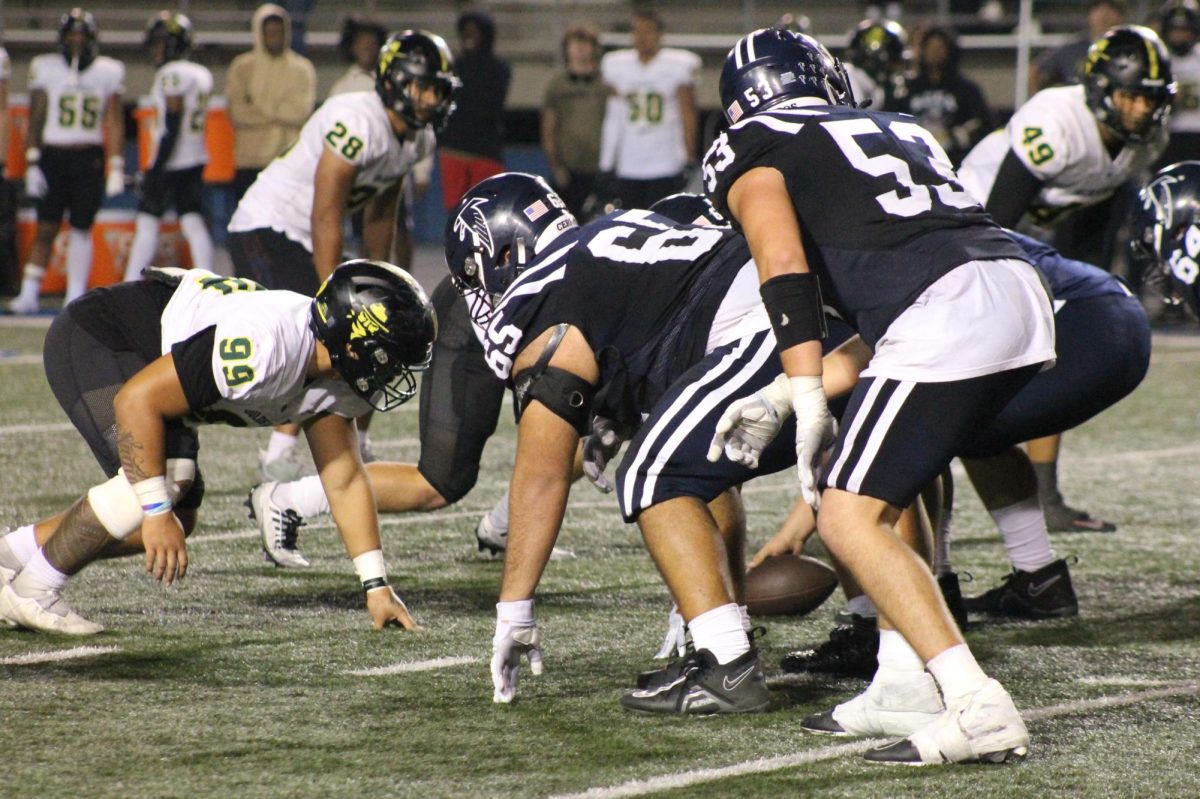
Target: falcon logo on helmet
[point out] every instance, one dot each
(1167, 232)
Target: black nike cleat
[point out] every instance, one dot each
(1043, 594)
(849, 652)
(656, 678)
(704, 687)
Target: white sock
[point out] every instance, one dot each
(39, 577)
(957, 672)
(22, 542)
(498, 516)
(279, 445)
(745, 611)
(306, 496)
(896, 658)
(862, 605)
(31, 282)
(195, 230)
(1024, 529)
(144, 247)
(720, 631)
(79, 262)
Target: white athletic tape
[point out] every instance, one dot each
(116, 506)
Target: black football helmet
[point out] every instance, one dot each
(878, 48)
(1129, 58)
(493, 233)
(689, 209)
(774, 65)
(79, 21)
(174, 30)
(1180, 16)
(1166, 232)
(378, 327)
(412, 59)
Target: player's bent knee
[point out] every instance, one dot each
(180, 474)
(116, 506)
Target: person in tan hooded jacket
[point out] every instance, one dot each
(271, 91)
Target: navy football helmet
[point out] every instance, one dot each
(493, 233)
(1166, 232)
(1133, 59)
(378, 327)
(416, 59)
(174, 30)
(689, 209)
(774, 65)
(79, 21)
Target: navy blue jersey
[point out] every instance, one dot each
(882, 214)
(642, 290)
(1068, 279)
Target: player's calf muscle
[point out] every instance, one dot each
(79, 539)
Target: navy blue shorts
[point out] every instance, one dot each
(1103, 346)
(668, 456)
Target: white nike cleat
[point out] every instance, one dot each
(984, 726)
(48, 613)
(886, 708)
(278, 526)
(284, 469)
(495, 540)
(24, 306)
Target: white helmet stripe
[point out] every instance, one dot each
(750, 48)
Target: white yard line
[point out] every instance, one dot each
(20, 360)
(25, 429)
(54, 657)
(684, 779)
(419, 665)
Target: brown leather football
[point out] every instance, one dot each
(788, 585)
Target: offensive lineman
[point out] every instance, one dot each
(139, 365)
(175, 177)
(76, 129)
(1070, 147)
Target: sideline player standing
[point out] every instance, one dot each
(76, 127)
(175, 177)
(865, 209)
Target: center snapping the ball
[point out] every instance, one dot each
(788, 585)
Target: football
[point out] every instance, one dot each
(788, 585)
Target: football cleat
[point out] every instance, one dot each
(48, 613)
(656, 678)
(884, 709)
(849, 652)
(278, 526)
(495, 540)
(1062, 518)
(284, 469)
(704, 687)
(981, 727)
(1043, 594)
(22, 305)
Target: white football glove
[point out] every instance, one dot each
(35, 181)
(114, 184)
(751, 423)
(676, 638)
(815, 432)
(516, 635)
(599, 448)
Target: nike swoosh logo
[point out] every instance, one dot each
(1037, 589)
(738, 680)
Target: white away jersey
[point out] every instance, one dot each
(1057, 138)
(1185, 116)
(193, 83)
(262, 346)
(355, 126)
(644, 139)
(75, 101)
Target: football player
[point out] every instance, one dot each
(76, 132)
(138, 366)
(1167, 232)
(175, 176)
(352, 153)
(879, 48)
(864, 209)
(1067, 148)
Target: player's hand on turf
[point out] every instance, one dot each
(789, 539)
(516, 636)
(387, 609)
(35, 181)
(599, 448)
(750, 424)
(815, 432)
(166, 547)
(675, 641)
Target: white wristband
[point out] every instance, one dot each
(372, 571)
(152, 495)
(33, 155)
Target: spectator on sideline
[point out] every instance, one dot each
(9, 270)
(471, 147)
(572, 116)
(1063, 66)
(271, 91)
(948, 104)
(651, 131)
(1179, 24)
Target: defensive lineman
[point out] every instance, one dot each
(76, 131)
(175, 176)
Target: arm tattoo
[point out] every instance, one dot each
(129, 450)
